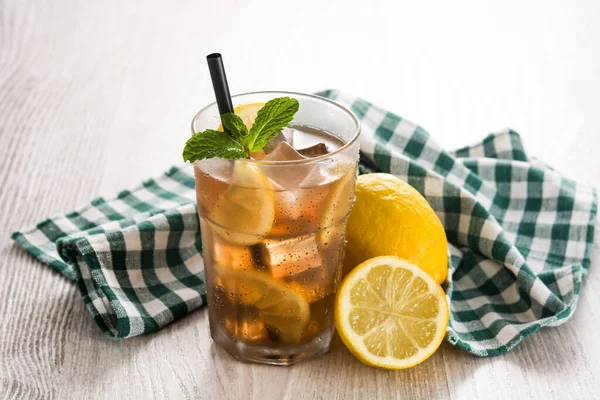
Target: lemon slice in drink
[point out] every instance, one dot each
(244, 213)
(282, 310)
(340, 198)
(391, 314)
(247, 112)
(338, 203)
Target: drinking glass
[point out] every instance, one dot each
(273, 236)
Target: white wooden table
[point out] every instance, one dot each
(95, 96)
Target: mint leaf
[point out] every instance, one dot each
(276, 114)
(210, 144)
(238, 142)
(235, 126)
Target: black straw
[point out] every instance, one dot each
(219, 81)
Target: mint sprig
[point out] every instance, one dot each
(240, 142)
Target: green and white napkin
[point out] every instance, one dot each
(521, 237)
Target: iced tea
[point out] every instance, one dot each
(273, 231)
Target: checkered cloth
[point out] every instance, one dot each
(521, 237)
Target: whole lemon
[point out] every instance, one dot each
(390, 218)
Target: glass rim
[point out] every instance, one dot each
(346, 145)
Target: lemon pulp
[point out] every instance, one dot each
(390, 314)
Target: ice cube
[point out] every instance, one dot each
(325, 172)
(274, 141)
(215, 169)
(231, 255)
(319, 175)
(289, 135)
(289, 257)
(318, 149)
(284, 151)
(297, 211)
(269, 147)
(286, 176)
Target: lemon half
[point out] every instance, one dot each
(390, 314)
